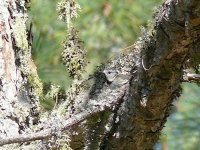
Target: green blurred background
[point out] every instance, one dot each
(106, 27)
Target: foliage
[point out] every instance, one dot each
(105, 26)
(182, 130)
(49, 33)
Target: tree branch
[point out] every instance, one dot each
(61, 127)
(191, 77)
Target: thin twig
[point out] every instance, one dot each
(191, 77)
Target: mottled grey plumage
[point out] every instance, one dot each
(110, 74)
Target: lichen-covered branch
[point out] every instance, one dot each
(67, 124)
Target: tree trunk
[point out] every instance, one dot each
(18, 95)
(123, 106)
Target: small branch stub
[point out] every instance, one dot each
(192, 77)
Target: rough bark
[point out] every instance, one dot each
(123, 106)
(18, 95)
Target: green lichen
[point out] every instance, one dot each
(52, 95)
(74, 54)
(20, 34)
(21, 114)
(67, 9)
(36, 83)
